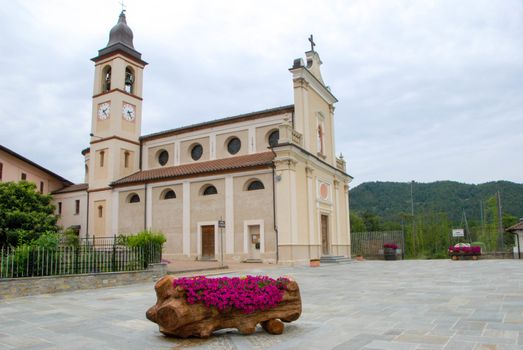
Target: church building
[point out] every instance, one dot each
(261, 186)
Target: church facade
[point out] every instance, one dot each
(265, 186)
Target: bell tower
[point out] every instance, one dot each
(115, 123)
(117, 108)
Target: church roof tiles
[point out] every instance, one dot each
(199, 168)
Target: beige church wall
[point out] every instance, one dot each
(129, 126)
(153, 153)
(102, 126)
(101, 171)
(301, 202)
(318, 105)
(69, 217)
(167, 217)
(223, 139)
(186, 146)
(14, 167)
(125, 171)
(262, 136)
(205, 208)
(131, 216)
(254, 206)
(100, 221)
(295, 254)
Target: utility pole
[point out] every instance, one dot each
(481, 214)
(412, 214)
(500, 223)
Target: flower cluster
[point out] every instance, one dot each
(247, 294)
(390, 245)
(467, 250)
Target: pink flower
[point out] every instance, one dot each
(248, 294)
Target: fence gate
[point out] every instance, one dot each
(370, 244)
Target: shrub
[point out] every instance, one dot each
(142, 239)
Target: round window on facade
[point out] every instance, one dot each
(163, 157)
(274, 137)
(196, 152)
(234, 145)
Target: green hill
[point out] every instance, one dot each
(389, 199)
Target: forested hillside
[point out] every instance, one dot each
(438, 208)
(389, 200)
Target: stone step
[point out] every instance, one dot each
(334, 259)
(255, 261)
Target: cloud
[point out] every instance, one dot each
(428, 90)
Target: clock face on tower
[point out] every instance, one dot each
(104, 110)
(128, 112)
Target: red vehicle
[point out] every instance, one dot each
(458, 251)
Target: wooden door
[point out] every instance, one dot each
(325, 235)
(208, 242)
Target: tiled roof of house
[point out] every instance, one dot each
(72, 188)
(200, 168)
(516, 227)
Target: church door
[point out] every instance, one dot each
(325, 235)
(208, 242)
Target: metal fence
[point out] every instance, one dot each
(93, 255)
(370, 244)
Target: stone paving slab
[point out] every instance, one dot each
(437, 304)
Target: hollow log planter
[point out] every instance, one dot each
(177, 318)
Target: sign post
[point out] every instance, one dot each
(221, 226)
(458, 232)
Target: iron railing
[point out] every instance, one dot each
(93, 255)
(371, 244)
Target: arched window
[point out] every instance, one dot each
(100, 211)
(106, 79)
(255, 185)
(102, 156)
(133, 198)
(129, 80)
(234, 145)
(168, 194)
(196, 151)
(274, 137)
(163, 157)
(209, 190)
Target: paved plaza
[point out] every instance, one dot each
(362, 305)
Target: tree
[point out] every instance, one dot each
(356, 223)
(25, 214)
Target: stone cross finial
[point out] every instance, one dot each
(311, 39)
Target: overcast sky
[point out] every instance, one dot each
(427, 90)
